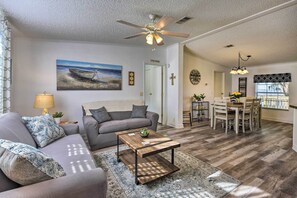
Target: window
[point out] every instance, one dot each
(273, 95)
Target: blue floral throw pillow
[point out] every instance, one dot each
(26, 165)
(44, 129)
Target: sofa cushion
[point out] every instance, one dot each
(71, 153)
(101, 115)
(6, 183)
(113, 126)
(139, 111)
(120, 115)
(26, 165)
(13, 129)
(134, 123)
(44, 129)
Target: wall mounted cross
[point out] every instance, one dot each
(172, 78)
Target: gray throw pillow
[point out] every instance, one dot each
(27, 165)
(101, 114)
(139, 111)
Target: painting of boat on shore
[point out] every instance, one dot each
(76, 75)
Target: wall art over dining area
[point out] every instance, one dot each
(77, 75)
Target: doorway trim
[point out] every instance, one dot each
(223, 82)
(162, 87)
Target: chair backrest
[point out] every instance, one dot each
(220, 107)
(248, 105)
(256, 105)
(227, 98)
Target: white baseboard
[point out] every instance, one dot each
(294, 147)
(175, 126)
(180, 126)
(277, 120)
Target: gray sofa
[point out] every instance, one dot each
(82, 178)
(103, 135)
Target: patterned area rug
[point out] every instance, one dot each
(194, 179)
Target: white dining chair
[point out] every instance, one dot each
(256, 113)
(246, 114)
(221, 113)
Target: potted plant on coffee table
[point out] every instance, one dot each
(57, 116)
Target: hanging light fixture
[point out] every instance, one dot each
(150, 39)
(158, 39)
(239, 69)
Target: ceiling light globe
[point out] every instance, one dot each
(149, 39)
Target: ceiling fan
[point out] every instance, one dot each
(153, 29)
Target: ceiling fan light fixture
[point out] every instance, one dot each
(150, 39)
(158, 38)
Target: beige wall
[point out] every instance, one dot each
(206, 84)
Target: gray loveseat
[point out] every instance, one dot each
(82, 178)
(103, 135)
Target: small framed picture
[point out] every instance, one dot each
(131, 78)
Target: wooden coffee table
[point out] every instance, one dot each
(143, 159)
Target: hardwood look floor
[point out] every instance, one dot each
(262, 160)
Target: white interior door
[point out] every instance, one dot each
(153, 89)
(219, 84)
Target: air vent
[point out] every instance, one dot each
(183, 20)
(228, 46)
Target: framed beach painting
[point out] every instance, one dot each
(76, 75)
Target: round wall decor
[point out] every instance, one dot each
(195, 77)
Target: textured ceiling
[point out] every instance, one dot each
(95, 20)
(269, 39)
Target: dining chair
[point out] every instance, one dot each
(221, 113)
(246, 114)
(187, 117)
(256, 113)
(226, 98)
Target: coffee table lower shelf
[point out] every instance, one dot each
(149, 168)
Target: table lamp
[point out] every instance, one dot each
(44, 101)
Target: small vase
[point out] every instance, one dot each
(58, 120)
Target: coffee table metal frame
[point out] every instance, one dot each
(136, 156)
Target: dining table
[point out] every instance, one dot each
(236, 106)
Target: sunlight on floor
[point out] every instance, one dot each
(190, 192)
(243, 190)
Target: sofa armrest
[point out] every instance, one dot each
(70, 129)
(92, 183)
(91, 127)
(154, 117)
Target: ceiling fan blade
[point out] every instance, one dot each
(177, 34)
(130, 24)
(136, 35)
(164, 21)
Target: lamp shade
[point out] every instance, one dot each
(44, 101)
